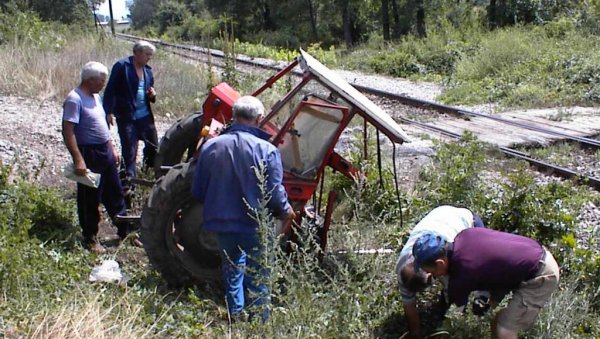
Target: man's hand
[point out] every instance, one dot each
(110, 119)
(79, 167)
(481, 304)
(116, 154)
(151, 93)
(291, 215)
(412, 320)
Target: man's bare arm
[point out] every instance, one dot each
(68, 132)
(412, 318)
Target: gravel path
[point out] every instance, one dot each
(31, 140)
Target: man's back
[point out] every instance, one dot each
(484, 259)
(226, 180)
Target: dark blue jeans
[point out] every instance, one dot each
(100, 159)
(243, 275)
(131, 133)
(477, 222)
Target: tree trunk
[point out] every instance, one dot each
(385, 19)
(347, 24)
(268, 23)
(491, 13)
(421, 30)
(313, 19)
(396, 15)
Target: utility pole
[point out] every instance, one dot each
(112, 19)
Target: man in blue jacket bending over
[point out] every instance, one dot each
(226, 183)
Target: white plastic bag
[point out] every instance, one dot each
(108, 271)
(90, 179)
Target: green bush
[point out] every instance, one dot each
(397, 63)
(371, 196)
(543, 212)
(28, 29)
(528, 68)
(455, 175)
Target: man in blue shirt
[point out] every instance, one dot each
(128, 95)
(87, 137)
(226, 183)
(484, 259)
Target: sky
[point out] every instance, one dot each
(119, 9)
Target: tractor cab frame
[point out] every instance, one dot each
(305, 124)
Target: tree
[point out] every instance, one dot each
(143, 12)
(421, 30)
(170, 13)
(65, 11)
(385, 19)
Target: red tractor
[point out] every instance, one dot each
(306, 125)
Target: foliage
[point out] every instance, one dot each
(27, 27)
(371, 195)
(170, 13)
(398, 63)
(542, 212)
(511, 69)
(29, 215)
(143, 13)
(455, 175)
(64, 11)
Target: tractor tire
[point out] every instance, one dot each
(179, 143)
(172, 233)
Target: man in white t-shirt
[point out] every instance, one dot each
(447, 221)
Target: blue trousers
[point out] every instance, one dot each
(477, 222)
(100, 159)
(131, 133)
(243, 275)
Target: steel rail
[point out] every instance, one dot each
(403, 99)
(555, 169)
(430, 105)
(211, 52)
(424, 104)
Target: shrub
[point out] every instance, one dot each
(454, 176)
(543, 212)
(27, 28)
(397, 63)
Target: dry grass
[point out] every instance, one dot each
(92, 317)
(49, 74)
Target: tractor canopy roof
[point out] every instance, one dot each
(366, 108)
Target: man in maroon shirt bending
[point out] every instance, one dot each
(482, 259)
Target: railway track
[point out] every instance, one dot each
(203, 55)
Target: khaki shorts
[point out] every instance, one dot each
(528, 299)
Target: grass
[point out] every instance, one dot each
(50, 73)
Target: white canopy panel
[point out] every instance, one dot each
(376, 115)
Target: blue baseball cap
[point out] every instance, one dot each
(427, 248)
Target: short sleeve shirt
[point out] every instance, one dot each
(488, 260)
(87, 114)
(447, 221)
